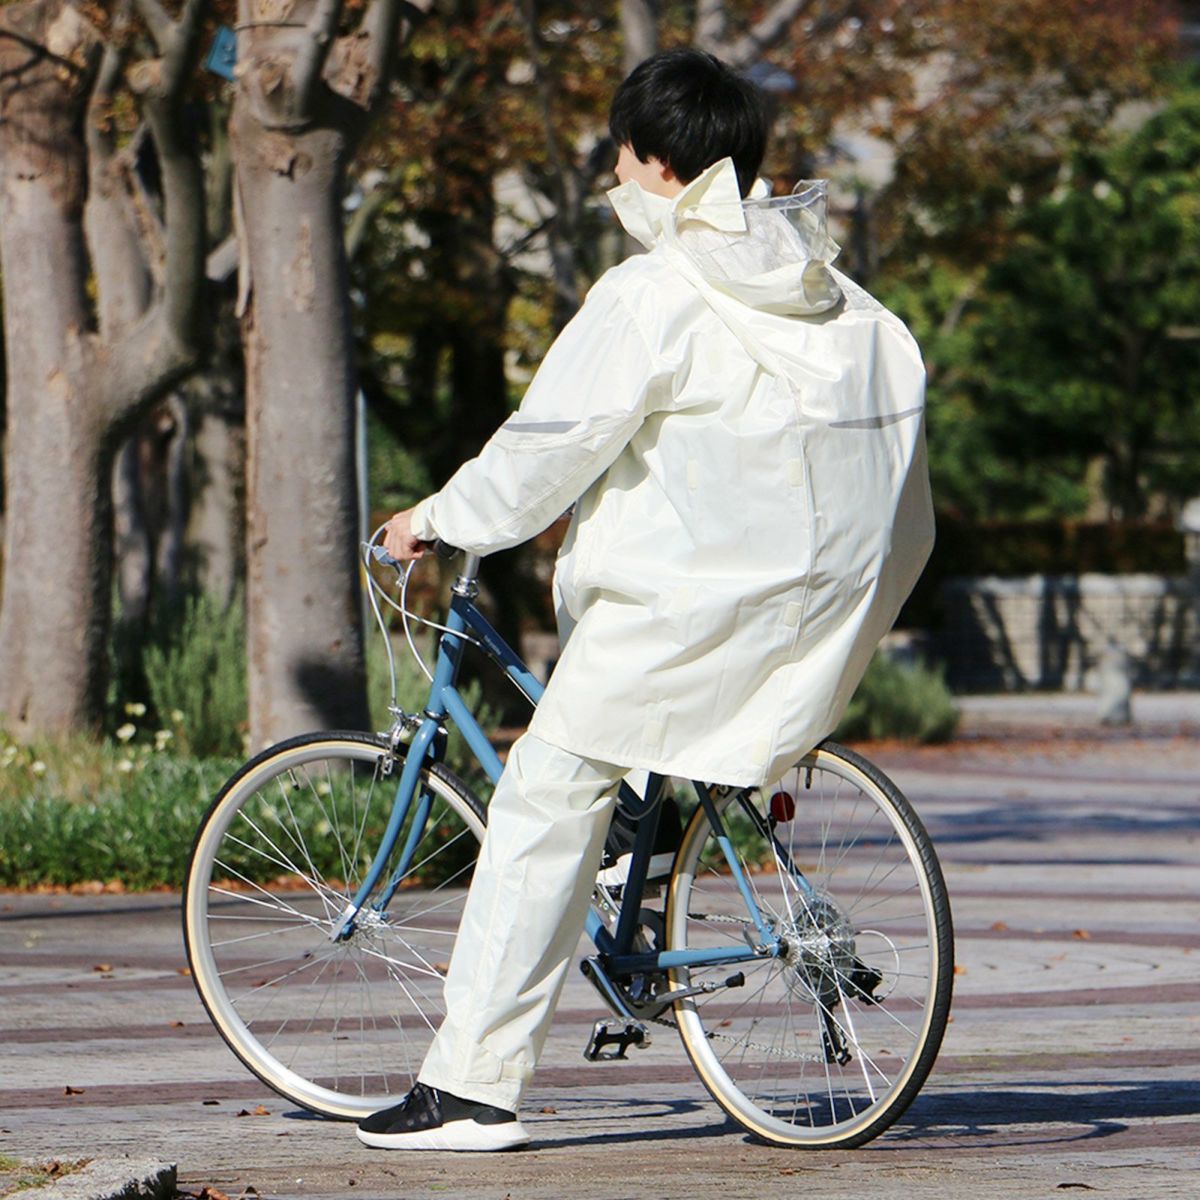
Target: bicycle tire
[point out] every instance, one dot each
(868, 967)
(276, 859)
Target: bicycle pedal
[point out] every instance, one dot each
(610, 1040)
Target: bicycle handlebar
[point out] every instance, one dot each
(443, 550)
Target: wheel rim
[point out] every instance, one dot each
(340, 1027)
(869, 929)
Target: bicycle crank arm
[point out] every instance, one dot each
(701, 989)
(608, 991)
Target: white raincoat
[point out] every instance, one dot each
(741, 431)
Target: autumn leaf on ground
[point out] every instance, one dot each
(72, 1091)
(999, 927)
(1082, 935)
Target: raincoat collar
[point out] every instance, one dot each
(766, 271)
(713, 197)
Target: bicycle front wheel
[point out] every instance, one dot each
(340, 1026)
(828, 1042)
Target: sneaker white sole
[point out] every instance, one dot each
(454, 1135)
(616, 875)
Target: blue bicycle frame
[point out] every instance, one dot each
(467, 625)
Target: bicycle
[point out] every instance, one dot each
(805, 954)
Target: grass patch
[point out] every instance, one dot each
(75, 810)
(17, 1176)
(123, 812)
(899, 700)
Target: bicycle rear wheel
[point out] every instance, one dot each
(338, 1027)
(827, 1044)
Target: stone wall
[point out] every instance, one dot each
(1052, 631)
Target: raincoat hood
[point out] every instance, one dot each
(770, 253)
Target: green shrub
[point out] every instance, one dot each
(896, 700)
(196, 676)
(78, 810)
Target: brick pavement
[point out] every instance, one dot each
(1073, 1059)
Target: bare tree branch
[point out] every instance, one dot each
(390, 24)
(163, 347)
(123, 282)
(565, 190)
(712, 21)
(382, 25)
(639, 31)
(157, 21)
(765, 33)
(310, 59)
(182, 46)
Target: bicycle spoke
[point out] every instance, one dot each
(319, 1019)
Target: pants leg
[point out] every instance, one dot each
(522, 921)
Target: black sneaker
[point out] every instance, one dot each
(431, 1120)
(618, 848)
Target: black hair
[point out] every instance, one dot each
(689, 110)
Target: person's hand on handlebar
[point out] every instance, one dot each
(400, 541)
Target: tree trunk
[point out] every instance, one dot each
(639, 31)
(131, 536)
(305, 631)
(216, 519)
(54, 607)
(72, 391)
(304, 97)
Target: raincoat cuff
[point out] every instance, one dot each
(420, 521)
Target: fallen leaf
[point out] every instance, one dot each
(211, 1193)
(183, 970)
(1083, 936)
(176, 1024)
(73, 1091)
(261, 1110)
(1087, 1187)
(999, 927)
(102, 967)
(210, 1102)
(242, 1112)
(960, 969)
(549, 1108)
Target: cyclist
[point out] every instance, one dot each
(740, 429)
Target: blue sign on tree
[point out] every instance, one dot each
(222, 54)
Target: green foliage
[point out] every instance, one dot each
(78, 810)
(1069, 368)
(196, 676)
(895, 700)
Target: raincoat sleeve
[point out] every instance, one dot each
(590, 395)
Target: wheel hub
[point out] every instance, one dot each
(819, 950)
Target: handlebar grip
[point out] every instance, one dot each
(444, 550)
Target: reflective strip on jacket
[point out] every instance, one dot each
(741, 430)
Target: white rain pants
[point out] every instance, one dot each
(522, 921)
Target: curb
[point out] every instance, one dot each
(126, 1178)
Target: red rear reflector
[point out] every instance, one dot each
(783, 806)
